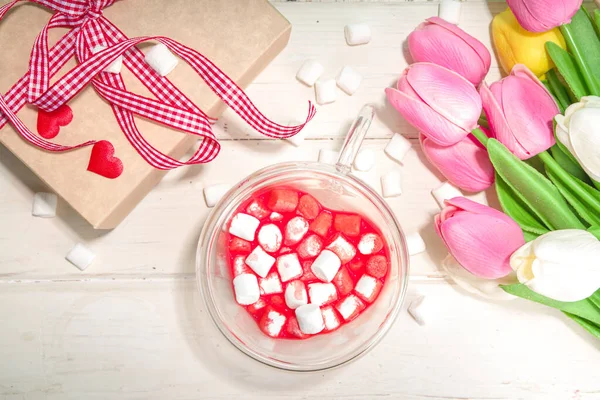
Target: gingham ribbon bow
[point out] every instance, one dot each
(89, 28)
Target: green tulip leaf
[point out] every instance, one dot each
(533, 188)
(565, 63)
(557, 89)
(585, 308)
(585, 324)
(529, 237)
(514, 207)
(595, 230)
(564, 159)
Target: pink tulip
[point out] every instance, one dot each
(543, 15)
(437, 101)
(520, 112)
(465, 164)
(445, 44)
(481, 238)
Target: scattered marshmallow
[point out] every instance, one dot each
(326, 91)
(44, 205)
(272, 322)
(450, 11)
(330, 318)
(244, 226)
(295, 294)
(214, 193)
(289, 267)
(357, 34)
(364, 160)
(115, 66)
(310, 319)
(367, 288)
(80, 256)
(309, 72)
(257, 209)
(398, 147)
(260, 261)
(275, 216)
(445, 191)
(419, 309)
(326, 265)
(322, 293)
(271, 284)
(349, 80)
(391, 183)
(240, 267)
(370, 243)
(295, 230)
(328, 156)
(269, 237)
(342, 248)
(350, 307)
(415, 243)
(298, 138)
(160, 59)
(246, 289)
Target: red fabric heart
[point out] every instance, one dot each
(103, 162)
(49, 123)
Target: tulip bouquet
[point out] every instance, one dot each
(537, 143)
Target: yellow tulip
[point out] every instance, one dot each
(515, 45)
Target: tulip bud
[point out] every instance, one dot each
(445, 44)
(561, 265)
(543, 15)
(437, 101)
(481, 238)
(520, 112)
(514, 45)
(579, 131)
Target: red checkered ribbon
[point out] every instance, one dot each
(89, 28)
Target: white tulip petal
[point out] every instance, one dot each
(584, 135)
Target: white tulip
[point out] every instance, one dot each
(562, 265)
(488, 288)
(579, 131)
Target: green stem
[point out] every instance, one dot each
(559, 91)
(583, 67)
(481, 136)
(484, 122)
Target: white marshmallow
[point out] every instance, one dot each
(271, 284)
(326, 91)
(260, 261)
(328, 156)
(445, 191)
(275, 216)
(214, 193)
(80, 256)
(331, 319)
(246, 289)
(309, 72)
(326, 265)
(310, 319)
(298, 138)
(295, 230)
(44, 205)
(274, 323)
(415, 243)
(350, 307)
(391, 183)
(367, 288)
(357, 34)
(240, 267)
(349, 80)
(420, 310)
(115, 66)
(289, 267)
(295, 294)
(398, 147)
(342, 248)
(368, 242)
(322, 293)
(257, 209)
(269, 237)
(160, 59)
(450, 11)
(244, 226)
(364, 160)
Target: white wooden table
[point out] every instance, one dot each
(132, 325)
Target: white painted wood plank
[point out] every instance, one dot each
(161, 234)
(149, 340)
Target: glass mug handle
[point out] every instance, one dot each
(355, 137)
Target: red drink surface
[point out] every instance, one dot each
(324, 227)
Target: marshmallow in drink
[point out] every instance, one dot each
(326, 91)
(330, 318)
(364, 160)
(450, 11)
(270, 284)
(322, 293)
(309, 72)
(397, 147)
(289, 267)
(161, 60)
(415, 243)
(115, 66)
(244, 226)
(295, 294)
(295, 230)
(367, 288)
(357, 34)
(246, 289)
(310, 319)
(260, 261)
(326, 265)
(445, 191)
(80, 256)
(44, 205)
(349, 80)
(350, 307)
(391, 183)
(270, 237)
(214, 193)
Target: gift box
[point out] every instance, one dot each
(239, 36)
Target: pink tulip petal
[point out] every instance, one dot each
(464, 204)
(422, 117)
(435, 44)
(543, 15)
(405, 87)
(529, 111)
(464, 164)
(447, 93)
(520, 70)
(482, 244)
(475, 44)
